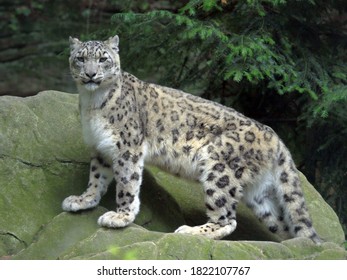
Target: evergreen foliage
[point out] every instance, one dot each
(286, 46)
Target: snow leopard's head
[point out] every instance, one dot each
(94, 63)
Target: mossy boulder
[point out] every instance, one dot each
(43, 160)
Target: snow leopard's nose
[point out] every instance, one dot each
(90, 69)
(90, 75)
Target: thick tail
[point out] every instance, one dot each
(291, 197)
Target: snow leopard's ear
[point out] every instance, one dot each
(113, 43)
(74, 43)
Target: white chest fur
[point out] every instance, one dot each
(96, 135)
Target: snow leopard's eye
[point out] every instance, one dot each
(80, 59)
(102, 59)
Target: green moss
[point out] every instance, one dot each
(103, 240)
(332, 254)
(139, 251)
(324, 218)
(62, 232)
(186, 247)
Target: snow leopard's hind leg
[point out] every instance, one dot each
(210, 230)
(222, 194)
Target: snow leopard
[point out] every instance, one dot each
(128, 122)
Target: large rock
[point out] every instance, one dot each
(43, 160)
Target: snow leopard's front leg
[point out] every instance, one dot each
(100, 177)
(128, 171)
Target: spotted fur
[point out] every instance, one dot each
(127, 122)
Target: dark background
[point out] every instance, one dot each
(280, 62)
